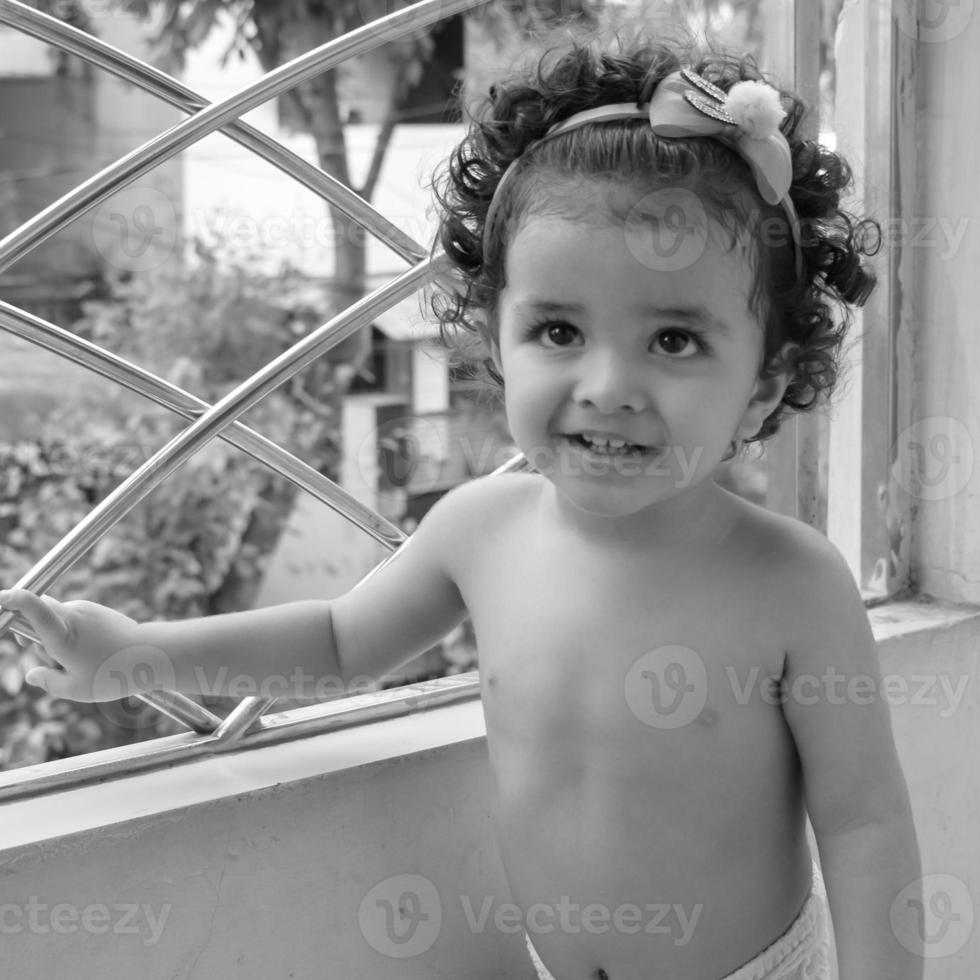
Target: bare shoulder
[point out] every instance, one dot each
(783, 546)
(801, 569)
(472, 510)
(815, 597)
(497, 493)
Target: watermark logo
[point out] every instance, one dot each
(926, 231)
(569, 460)
(667, 687)
(938, 458)
(65, 919)
(595, 919)
(126, 673)
(300, 683)
(408, 450)
(300, 229)
(835, 687)
(667, 230)
(938, 923)
(939, 20)
(401, 916)
(135, 230)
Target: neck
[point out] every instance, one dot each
(700, 517)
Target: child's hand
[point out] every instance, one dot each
(96, 650)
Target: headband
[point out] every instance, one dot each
(746, 119)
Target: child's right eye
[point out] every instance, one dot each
(553, 333)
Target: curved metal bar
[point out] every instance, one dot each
(139, 161)
(242, 717)
(273, 729)
(175, 705)
(111, 366)
(158, 83)
(516, 464)
(166, 460)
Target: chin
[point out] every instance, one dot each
(609, 502)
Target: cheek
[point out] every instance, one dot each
(529, 395)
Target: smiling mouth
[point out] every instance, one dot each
(607, 445)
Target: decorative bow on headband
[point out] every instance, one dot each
(746, 119)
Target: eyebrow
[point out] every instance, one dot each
(693, 315)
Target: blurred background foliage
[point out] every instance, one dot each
(197, 544)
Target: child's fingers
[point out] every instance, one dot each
(56, 682)
(39, 611)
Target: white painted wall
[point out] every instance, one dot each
(256, 864)
(946, 539)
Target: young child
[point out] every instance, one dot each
(655, 269)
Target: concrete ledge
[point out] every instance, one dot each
(168, 873)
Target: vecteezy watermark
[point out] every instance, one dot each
(925, 231)
(126, 673)
(135, 230)
(595, 919)
(299, 228)
(937, 924)
(568, 460)
(416, 451)
(667, 230)
(298, 684)
(73, 459)
(835, 687)
(68, 9)
(935, 457)
(667, 687)
(401, 916)
(940, 233)
(938, 20)
(410, 450)
(64, 919)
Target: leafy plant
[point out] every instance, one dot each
(198, 543)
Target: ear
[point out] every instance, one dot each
(767, 394)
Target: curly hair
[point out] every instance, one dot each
(812, 311)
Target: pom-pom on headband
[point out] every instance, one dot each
(746, 119)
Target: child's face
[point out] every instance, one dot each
(594, 341)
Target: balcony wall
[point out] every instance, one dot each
(261, 863)
(254, 864)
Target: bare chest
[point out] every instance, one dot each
(679, 642)
(637, 671)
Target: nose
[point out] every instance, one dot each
(612, 382)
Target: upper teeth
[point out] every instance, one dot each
(612, 441)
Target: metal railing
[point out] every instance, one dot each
(210, 733)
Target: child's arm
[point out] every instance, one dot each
(397, 613)
(856, 794)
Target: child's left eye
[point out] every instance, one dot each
(687, 335)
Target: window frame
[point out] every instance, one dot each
(867, 514)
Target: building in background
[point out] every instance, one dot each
(62, 121)
(407, 437)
